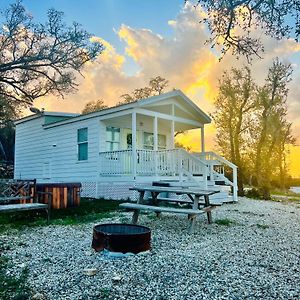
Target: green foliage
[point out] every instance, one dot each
(225, 222)
(104, 293)
(262, 226)
(11, 286)
(253, 193)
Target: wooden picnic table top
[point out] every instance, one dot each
(176, 190)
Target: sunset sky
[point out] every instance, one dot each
(145, 39)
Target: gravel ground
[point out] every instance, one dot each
(256, 257)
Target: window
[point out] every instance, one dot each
(112, 138)
(149, 141)
(82, 143)
(162, 142)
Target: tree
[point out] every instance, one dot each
(8, 112)
(252, 127)
(274, 130)
(234, 105)
(37, 60)
(230, 23)
(94, 106)
(40, 59)
(156, 86)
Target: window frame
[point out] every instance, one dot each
(84, 142)
(151, 146)
(113, 141)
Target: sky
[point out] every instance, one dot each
(144, 39)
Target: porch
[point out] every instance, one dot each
(189, 169)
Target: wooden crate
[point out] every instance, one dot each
(63, 194)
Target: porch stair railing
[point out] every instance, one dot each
(216, 164)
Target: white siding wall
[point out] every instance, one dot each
(30, 153)
(36, 146)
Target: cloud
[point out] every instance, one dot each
(184, 59)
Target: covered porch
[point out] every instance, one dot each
(140, 142)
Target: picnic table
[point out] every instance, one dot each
(194, 195)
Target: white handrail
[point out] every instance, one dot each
(193, 165)
(212, 156)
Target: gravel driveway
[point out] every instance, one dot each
(256, 257)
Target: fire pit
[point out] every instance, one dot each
(122, 238)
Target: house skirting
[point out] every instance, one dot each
(118, 188)
(111, 190)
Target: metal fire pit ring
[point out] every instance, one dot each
(122, 238)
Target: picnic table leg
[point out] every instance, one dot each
(193, 217)
(209, 217)
(135, 216)
(155, 202)
(136, 212)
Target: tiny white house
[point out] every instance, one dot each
(110, 150)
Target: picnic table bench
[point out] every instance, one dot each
(22, 191)
(194, 195)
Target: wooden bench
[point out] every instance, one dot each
(192, 213)
(187, 211)
(22, 191)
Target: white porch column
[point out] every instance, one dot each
(173, 127)
(172, 134)
(155, 135)
(134, 154)
(155, 142)
(202, 139)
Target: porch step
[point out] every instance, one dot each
(220, 182)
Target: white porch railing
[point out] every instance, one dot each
(116, 162)
(174, 162)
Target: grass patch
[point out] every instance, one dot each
(88, 211)
(225, 222)
(284, 193)
(12, 287)
(263, 226)
(104, 293)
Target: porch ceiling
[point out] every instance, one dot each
(146, 123)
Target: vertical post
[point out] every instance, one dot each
(134, 156)
(155, 141)
(180, 165)
(205, 176)
(211, 172)
(173, 127)
(235, 185)
(202, 140)
(172, 134)
(155, 134)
